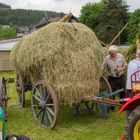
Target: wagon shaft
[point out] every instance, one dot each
(101, 100)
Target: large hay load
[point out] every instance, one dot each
(67, 55)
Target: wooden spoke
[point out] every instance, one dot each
(49, 117)
(49, 105)
(44, 98)
(37, 98)
(39, 113)
(38, 93)
(50, 111)
(20, 89)
(47, 98)
(43, 116)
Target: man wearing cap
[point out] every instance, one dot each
(116, 66)
(133, 66)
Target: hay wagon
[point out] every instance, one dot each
(61, 64)
(45, 104)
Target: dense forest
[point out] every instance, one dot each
(21, 17)
(4, 6)
(107, 17)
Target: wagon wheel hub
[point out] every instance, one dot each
(43, 104)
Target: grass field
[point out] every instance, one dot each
(85, 126)
(7, 33)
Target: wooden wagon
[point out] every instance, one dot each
(45, 103)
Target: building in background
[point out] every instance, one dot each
(5, 49)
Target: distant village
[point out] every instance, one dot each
(24, 30)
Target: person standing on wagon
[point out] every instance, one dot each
(116, 66)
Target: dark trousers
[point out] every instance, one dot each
(128, 94)
(117, 83)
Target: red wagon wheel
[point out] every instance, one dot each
(44, 104)
(3, 97)
(20, 89)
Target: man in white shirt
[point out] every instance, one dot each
(133, 66)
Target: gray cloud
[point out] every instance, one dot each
(134, 4)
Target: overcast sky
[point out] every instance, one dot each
(59, 5)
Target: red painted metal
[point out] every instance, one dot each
(134, 80)
(131, 104)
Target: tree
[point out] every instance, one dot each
(106, 18)
(21, 17)
(113, 17)
(90, 14)
(134, 25)
(4, 6)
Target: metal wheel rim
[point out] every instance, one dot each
(44, 104)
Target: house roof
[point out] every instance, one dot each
(7, 45)
(65, 18)
(40, 25)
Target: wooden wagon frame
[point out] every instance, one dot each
(45, 104)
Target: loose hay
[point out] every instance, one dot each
(127, 53)
(69, 59)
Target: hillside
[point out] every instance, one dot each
(22, 17)
(4, 5)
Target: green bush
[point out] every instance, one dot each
(7, 33)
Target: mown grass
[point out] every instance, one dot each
(85, 126)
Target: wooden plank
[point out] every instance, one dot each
(5, 64)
